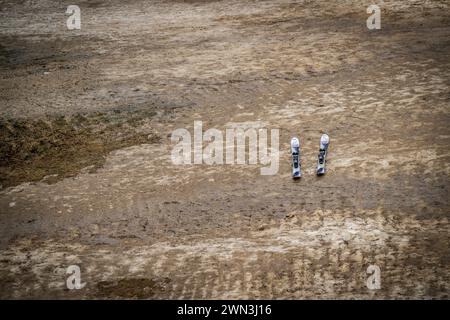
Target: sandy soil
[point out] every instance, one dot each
(86, 118)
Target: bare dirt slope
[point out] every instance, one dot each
(86, 118)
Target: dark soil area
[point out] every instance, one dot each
(57, 147)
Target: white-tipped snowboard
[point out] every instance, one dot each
(322, 158)
(296, 165)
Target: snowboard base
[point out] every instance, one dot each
(295, 152)
(322, 157)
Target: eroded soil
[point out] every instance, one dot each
(87, 177)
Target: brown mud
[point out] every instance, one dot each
(87, 177)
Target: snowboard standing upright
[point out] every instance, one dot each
(295, 151)
(322, 158)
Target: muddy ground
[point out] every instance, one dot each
(87, 178)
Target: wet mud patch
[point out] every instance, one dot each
(28, 55)
(54, 147)
(128, 288)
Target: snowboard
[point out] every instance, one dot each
(322, 158)
(295, 151)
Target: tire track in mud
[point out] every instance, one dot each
(322, 253)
